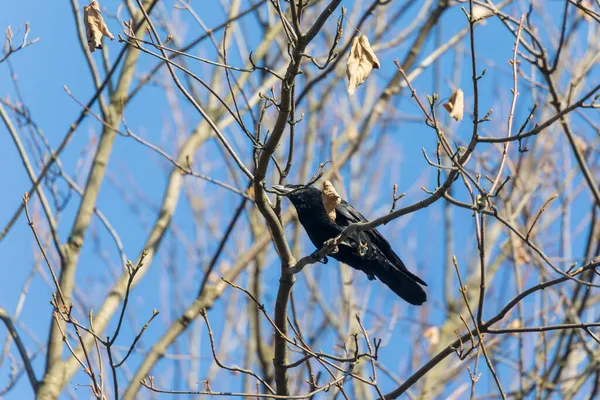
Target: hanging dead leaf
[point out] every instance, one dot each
(456, 105)
(514, 324)
(521, 256)
(481, 13)
(548, 167)
(352, 132)
(361, 62)
(583, 9)
(250, 192)
(580, 143)
(432, 334)
(330, 198)
(95, 27)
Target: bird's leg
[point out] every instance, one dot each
(331, 246)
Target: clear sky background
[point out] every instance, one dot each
(56, 60)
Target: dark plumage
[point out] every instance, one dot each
(376, 260)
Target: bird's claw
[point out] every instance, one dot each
(362, 249)
(324, 260)
(331, 247)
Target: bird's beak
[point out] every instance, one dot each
(282, 189)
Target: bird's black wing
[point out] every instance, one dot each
(389, 268)
(350, 215)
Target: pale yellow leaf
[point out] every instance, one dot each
(522, 257)
(456, 105)
(361, 62)
(514, 324)
(250, 192)
(587, 4)
(95, 27)
(480, 13)
(548, 167)
(330, 198)
(432, 335)
(580, 143)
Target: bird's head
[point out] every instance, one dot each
(302, 197)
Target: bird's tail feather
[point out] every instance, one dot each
(405, 271)
(404, 285)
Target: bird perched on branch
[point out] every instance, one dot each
(324, 217)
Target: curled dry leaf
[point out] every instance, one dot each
(580, 143)
(250, 192)
(480, 13)
(95, 27)
(514, 324)
(361, 62)
(587, 5)
(456, 105)
(432, 335)
(9, 34)
(330, 198)
(521, 255)
(548, 167)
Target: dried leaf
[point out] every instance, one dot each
(330, 198)
(580, 143)
(456, 105)
(514, 324)
(250, 192)
(8, 42)
(548, 167)
(95, 27)
(432, 335)
(587, 4)
(352, 132)
(361, 62)
(480, 13)
(522, 257)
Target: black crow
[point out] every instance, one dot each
(366, 251)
